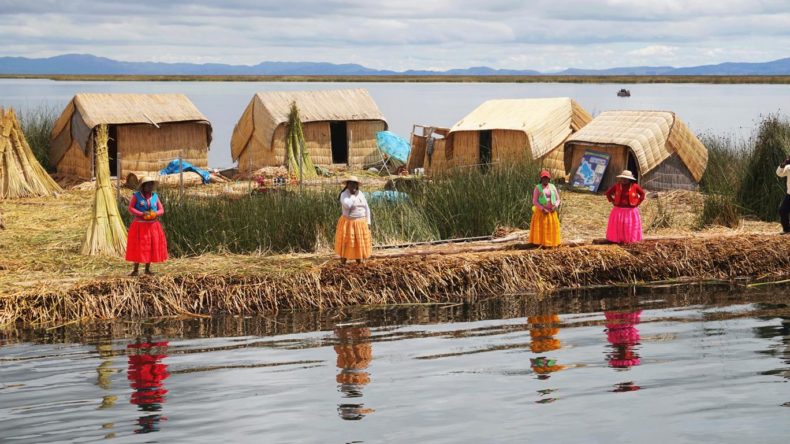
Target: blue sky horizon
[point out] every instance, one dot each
(540, 35)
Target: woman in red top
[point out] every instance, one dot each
(625, 223)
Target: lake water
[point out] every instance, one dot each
(660, 367)
(721, 109)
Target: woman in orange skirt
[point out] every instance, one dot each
(352, 237)
(544, 230)
(146, 242)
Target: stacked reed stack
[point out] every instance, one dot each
(106, 233)
(20, 173)
(299, 160)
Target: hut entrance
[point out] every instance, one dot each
(339, 135)
(632, 165)
(485, 149)
(112, 150)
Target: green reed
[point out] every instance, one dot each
(37, 125)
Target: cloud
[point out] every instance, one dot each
(408, 34)
(655, 50)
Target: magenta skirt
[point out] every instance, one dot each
(625, 226)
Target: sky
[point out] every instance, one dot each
(544, 35)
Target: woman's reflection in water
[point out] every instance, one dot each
(354, 353)
(623, 337)
(542, 330)
(146, 375)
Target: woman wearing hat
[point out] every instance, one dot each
(146, 243)
(625, 223)
(352, 237)
(544, 230)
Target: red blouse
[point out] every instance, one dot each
(620, 196)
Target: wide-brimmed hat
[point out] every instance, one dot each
(545, 173)
(351, 179)
(626, 174)
(145, 180)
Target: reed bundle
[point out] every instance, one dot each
(296, 147)
(21, 175)
(761, 190)
(405, 280)
(106, 233)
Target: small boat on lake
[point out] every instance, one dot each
(624, 93)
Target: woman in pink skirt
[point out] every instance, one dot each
(625, 224)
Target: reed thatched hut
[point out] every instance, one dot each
(503, 131)
(146, 131)
(655, 145)
(428, 149)
(339, 128)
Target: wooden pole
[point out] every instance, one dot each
(180, 176)
(118, 174)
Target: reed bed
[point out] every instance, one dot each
(456, 278)
(37, 125)
(462, 204)
(761, 189)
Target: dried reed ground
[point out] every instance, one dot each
(43, 277)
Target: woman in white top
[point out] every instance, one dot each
(352, 237)
(784, 207)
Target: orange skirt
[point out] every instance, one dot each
(544, 229)
(353, 239)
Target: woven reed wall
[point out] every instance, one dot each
(554, 162)
(76, 163)
(466, 148)
(438, 163)
(317, 142)
(672, 174)
(508, 146)
(362, 146)
(617, 162)
(258, 155)
(418, 157)
(148, 148)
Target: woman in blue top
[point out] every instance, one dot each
(146, 243)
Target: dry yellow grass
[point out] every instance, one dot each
(41, 243)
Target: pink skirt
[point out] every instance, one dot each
(146, 242)
(625, 225)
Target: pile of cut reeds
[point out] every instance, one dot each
(106, 233)
(405, 280)
(21, 175)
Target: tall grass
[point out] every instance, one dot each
(461, 204)
(37, 125)
(727, 159)
(761, 189)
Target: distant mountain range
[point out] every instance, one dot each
(85, 64)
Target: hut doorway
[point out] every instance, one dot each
(112, 150)
(485, 149)
(632, 165)
(339, 134)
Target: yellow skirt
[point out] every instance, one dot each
(544, 229)
(353, 239)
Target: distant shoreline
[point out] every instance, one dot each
(719, 80)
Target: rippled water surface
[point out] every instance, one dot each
(668, 367)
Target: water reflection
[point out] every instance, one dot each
(542, 331)
(354, 353)
(146, 375)
(623, 337)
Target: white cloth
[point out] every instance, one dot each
(784, 172)
(355, 206)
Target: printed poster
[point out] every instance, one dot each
(591, 170)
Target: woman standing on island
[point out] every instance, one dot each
(146, 243)
(784, 207)
(544, 230)
(625, 223)
(352, 237)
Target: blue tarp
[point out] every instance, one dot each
(393, 145)
(172, 168)
(389, 196)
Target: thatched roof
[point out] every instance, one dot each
(652, 136)
(546, 122)
(86, 111)
(269, 110)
